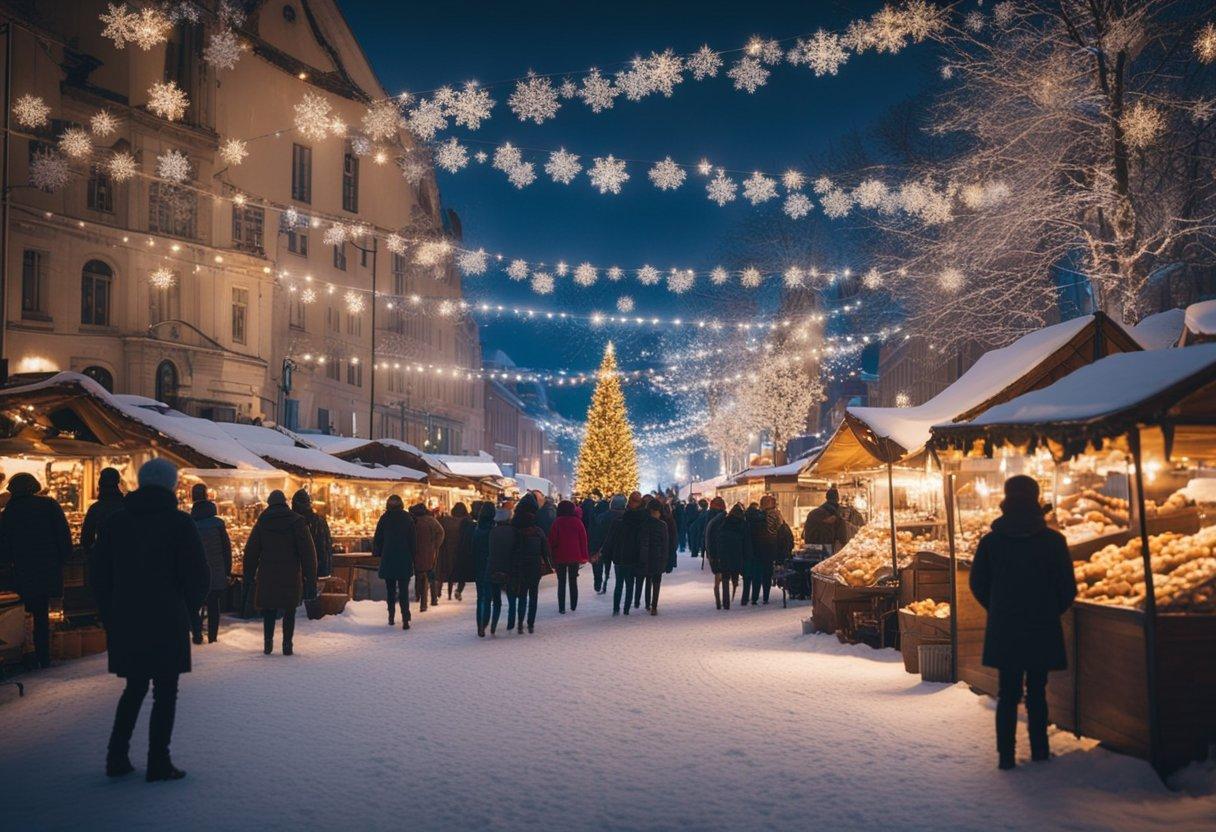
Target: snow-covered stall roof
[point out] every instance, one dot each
(1160, 331)
(353, 448)
(126, 420)
(703, 487)
(1103, 399)
(284, 450)
(527, 482)
(480, 465)
(1201, 318)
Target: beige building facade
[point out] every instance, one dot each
(257, 321)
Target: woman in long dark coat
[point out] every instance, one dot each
(149, 571)
(733, 536)
(281, 561)
(1022, 575)
(393, 543)
(463, 572)
(653, 552)
(531, 559)
(480, 549)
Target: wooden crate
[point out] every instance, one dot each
(915, 630)
(927, 576)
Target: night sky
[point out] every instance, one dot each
(795, 116)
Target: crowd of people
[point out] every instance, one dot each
(156, 571)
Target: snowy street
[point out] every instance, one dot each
(696, 719)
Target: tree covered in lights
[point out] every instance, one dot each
(607, 459)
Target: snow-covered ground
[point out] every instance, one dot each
(696, 719)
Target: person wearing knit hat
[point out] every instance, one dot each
(711, 534)
(149, 572)
(1022, 575)
(34, 538)
(217, 546)
(282, 563)
(318, 527)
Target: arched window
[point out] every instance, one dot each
(96, 292)
(102, 376)
(166, 383)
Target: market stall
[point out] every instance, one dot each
(880, 454)
(1142, 634)
(795, 492)
(444, 487)
(471, 477)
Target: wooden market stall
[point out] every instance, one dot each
(795, 491)
(1142, 634)
(881, 455)
(444, 487)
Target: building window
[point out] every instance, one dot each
(100, 196)
(33, 285)
(184, 62)
(247, 224)
(165, 303)
(297, 313)
(354, 324)
(96, 285)
(354, 373)
(333, 371)
(340, 256)
(398, 268)
(332, 323)
(166, 383)
(301, 173)
(100, 375)
(297, 241)
(350, 181)
(172, 210)
(364, 254)
(240, 315)
(323, 424)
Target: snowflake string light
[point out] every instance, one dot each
(518, 270)
(223, 50)
(722, 189)
(562, 167)
(663, 71)
(473, 262)
(568, 89)
(719, 276)
(633, 82)
(149, 28)
(312, 117)
(759, 188)
(31, 111)
(975, 21)
(615, 273)
(446, 308)
(534, 99)
(167, 100)
(451, 156)
(1142, 124)
(432, 252)
(608, 174)
(173, 166)
(354, 302)
(1205, 44)
(480, 157)
(750, 277)
(427, 118)
(337, 126)
(471, 106)
(381, 120)
(119, 24)
(624, 304)
(836, 204)
(667, 175)
(335, 235)
(793, 278)
(796, 206)
(748, 74)
(75, 143)
(598, 92)
(704, 63)
(542, 283)
(395, 243)
(414, 168)
(234, 151)
(561, 268)
(824, 53)
(585, 274)
(793, 180)
(951, 279)
(506, 157)
(649, 275)
(521, 176)
(308, 296)
(292, 218)
(49, 171)
(872, 279)
(768, 51)
(121, 166)
(922, 20)
(870, 193)
(680, 281)
(103, 124)
(162, 278)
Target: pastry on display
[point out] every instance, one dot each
(1184, 573)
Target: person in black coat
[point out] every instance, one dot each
(621, 547)
(109, 500)
(601, 563)
(653, 552)
(34, 537)
(709, 522)
(530, 560)
(588, 506)
(318, 529)
(486, 596)
(501, 541)
(149, 572)
(1022, 575)
(733, 541)
(393, 543)
(217, 546)
(693, 515)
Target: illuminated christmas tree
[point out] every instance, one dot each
(607, 460)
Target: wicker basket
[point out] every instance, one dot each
(934, 661)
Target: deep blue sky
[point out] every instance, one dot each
(423, 46)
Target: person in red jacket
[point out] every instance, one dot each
(568, 540)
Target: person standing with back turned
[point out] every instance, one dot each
(1022, 575)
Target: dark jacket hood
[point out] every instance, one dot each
(278, 516)
(418, 509)
(301, 502)
(149, 500)
(565, 509)
(202, 509)
(1021, 521)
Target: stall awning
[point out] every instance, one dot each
(1175, 389)
(297, 458)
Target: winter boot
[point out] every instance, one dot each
(481, 631)
(392, 617)
(117, 766)
(268, 645)
(163, 770)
